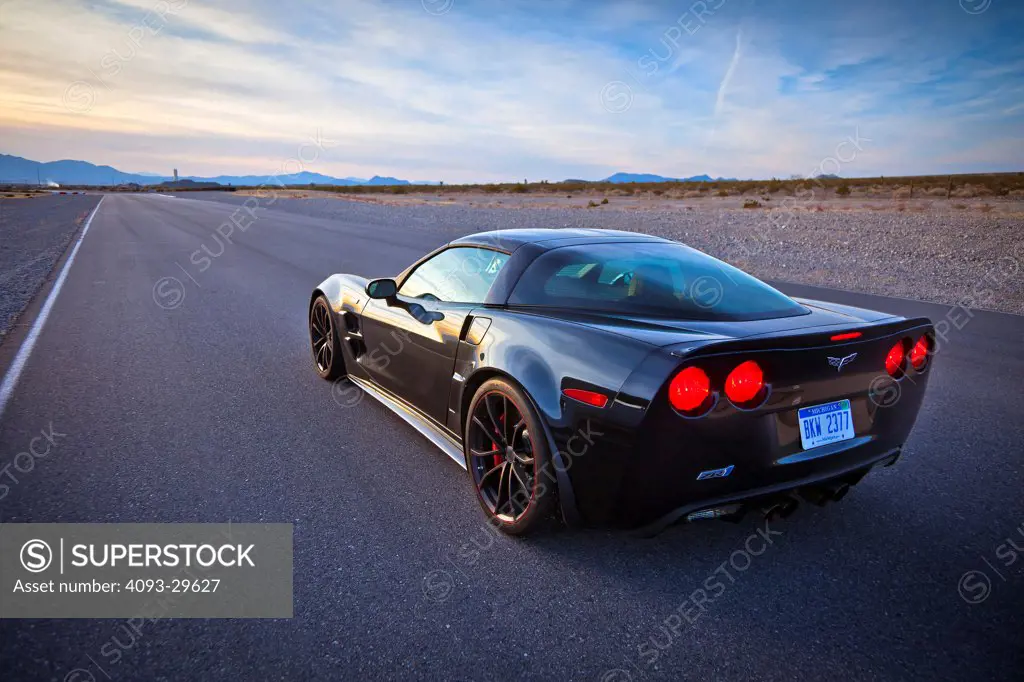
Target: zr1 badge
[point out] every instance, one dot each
(715, 473)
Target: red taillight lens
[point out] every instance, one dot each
(689, 390)
(744, 383)
(919, 353)
(847, 336)
(589, 397)
(894, 360)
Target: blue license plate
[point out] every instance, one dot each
(824, 424)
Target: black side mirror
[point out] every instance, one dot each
(382, 289)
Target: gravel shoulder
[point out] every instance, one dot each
(973, 259)
(34, 233)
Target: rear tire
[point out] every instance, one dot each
(508, 458)
(323, 338)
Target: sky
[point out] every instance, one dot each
(497, 91)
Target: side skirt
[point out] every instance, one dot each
(431, 432)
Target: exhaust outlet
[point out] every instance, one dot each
(836, 491)
(788, 507)
(729, 513)
(840, 492)
(783, 509)
(823, 493)
(815, 495)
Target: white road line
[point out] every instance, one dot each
(14, 373)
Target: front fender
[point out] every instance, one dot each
(345, 293)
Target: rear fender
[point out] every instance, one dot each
(543, 356)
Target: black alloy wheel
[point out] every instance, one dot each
(508, 458)
(326, 351)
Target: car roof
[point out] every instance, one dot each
(548, 238)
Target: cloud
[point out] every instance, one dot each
(497, 91)
(236, 24)
(723, 88)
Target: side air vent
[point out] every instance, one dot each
(351, 323)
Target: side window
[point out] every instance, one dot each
(462, 274)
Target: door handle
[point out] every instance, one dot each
(424, 316)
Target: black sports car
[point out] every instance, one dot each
(623, 378)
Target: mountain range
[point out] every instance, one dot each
(15, 169)
(648, 177)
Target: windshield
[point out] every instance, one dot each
(661, 279)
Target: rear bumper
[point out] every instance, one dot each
(778, 497)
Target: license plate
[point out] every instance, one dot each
(824, 424)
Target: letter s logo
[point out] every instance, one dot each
(36, 556)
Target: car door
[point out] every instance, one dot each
(411, 340)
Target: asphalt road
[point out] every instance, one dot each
(194, 400)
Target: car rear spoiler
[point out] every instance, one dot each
(816, 337)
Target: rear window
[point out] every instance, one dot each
(652, 279)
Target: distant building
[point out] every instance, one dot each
(175, 174)
(189, 184)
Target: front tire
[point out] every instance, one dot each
(323, 338)
(508, 458)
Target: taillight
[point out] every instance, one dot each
(919, 353)
(895, 359)
(589, 397)
(745, 383)
(690, 391)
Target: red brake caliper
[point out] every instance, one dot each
(499, 457)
